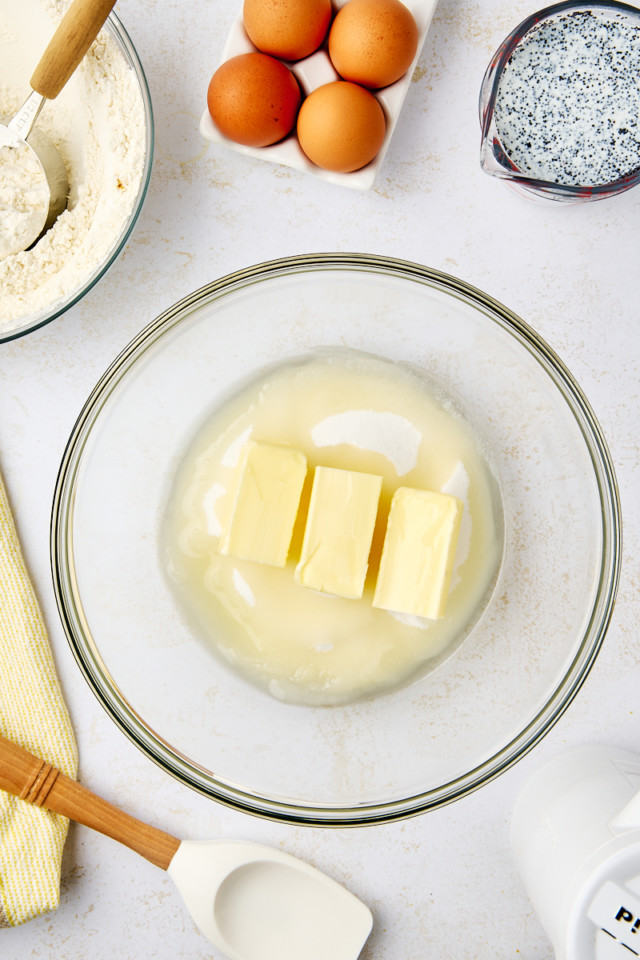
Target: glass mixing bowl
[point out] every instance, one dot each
(25, 324)
(494, 156)
(461, 723)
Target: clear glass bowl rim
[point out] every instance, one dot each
(487, 101)
(130, 51)
(190, 774)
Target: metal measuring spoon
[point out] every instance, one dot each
(252, 901)
(33, 176)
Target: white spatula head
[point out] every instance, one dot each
(257, 903)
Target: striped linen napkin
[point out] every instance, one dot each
(34, 715)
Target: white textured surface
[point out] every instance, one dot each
(444, 884)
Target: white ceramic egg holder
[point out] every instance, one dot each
(313, 72)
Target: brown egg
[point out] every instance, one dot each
(289, 29)
(253, 99)
(373, 42)
(341, 126)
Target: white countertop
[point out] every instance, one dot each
(442, 884)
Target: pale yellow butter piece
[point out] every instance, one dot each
(339, 531)
(418, 553)
(269, 482)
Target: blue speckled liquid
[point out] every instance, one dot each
(568, 103)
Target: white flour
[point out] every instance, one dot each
(24, 198)
(98, 125)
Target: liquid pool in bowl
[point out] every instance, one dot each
(427, 742)
(352, 411)
(560, 103)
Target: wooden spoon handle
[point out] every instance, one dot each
(77, 30)
(39, 783)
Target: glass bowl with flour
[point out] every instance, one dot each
(102, 125)
(560, 103)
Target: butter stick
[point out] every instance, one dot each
(269, 481)
(418, 553)
(339, 531)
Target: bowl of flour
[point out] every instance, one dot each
(102, 126)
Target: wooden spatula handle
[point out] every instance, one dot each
(77, 30)
(39, 783)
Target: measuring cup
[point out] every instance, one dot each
(575, 835)
(251, 901)
(495, 157)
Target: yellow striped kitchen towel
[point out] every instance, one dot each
(34, 715)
